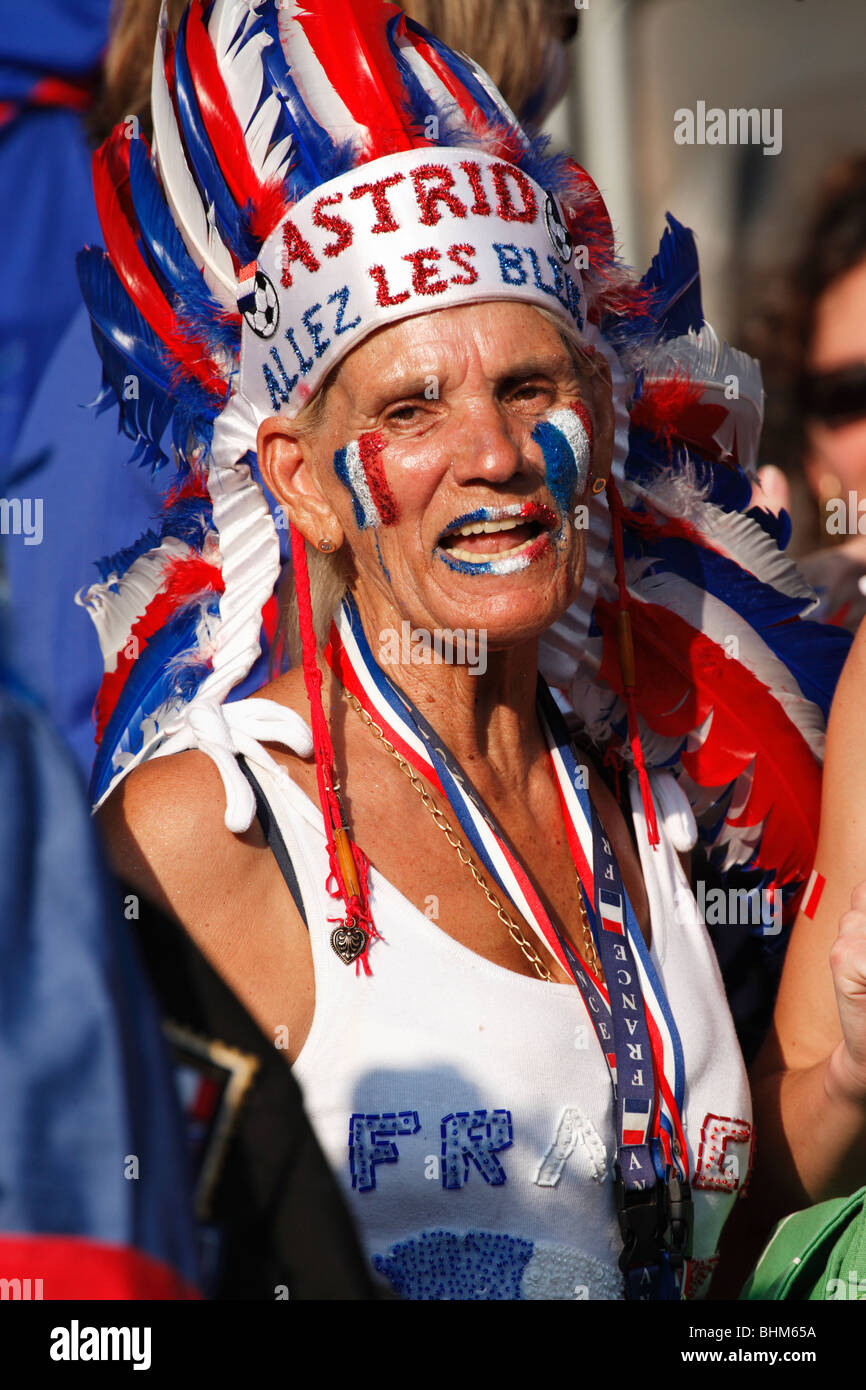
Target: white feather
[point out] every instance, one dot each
(720, 369)
(321, 99)
(240, 63)
(200, 237)
(733, 534)
(116, 605)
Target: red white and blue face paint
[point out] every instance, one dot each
(359, 467)
(565, 438)
(465, 545)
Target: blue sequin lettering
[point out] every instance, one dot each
(573, 294)
(480, 1265)
(279, 393)
(556, 288)
(510, 263)
(474, 1137)
(343, 296)
(305, 363)
(366, 1146)
(315, 329)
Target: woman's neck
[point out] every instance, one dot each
(481, 703)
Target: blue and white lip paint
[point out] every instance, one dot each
(521, 558)
(565, 438)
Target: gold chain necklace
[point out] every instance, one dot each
(441, 820)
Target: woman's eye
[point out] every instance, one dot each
(530, 393)
(403, 415)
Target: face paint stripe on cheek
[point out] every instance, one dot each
(359, 467)
(565, 438)
(370, 447)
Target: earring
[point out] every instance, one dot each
(599, 485)
(325, 545)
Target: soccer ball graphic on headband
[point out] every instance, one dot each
(258, 303)
(557, 230)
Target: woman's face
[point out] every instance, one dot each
(453, 452)
(835, 462)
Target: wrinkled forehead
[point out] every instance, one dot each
(402, 236)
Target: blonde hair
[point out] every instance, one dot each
(330, 574)
(125, 80)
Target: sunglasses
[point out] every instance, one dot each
(835, 397)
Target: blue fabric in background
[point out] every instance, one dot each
(93, 503)
(45, 182)
(85, 1079)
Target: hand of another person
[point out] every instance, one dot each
(848, 964)
(772, 489)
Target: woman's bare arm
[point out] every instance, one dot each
(809, 1080)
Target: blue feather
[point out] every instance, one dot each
(487, 107)
(192, 301)
(118, 563)
(189, 519)
(317, 157)
(209, 176)
(129, 348)
(674, 276)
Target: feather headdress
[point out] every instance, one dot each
(291, 140)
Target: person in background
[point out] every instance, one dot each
(809, 1081)
(812, 347)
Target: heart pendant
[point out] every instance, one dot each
(349, 941)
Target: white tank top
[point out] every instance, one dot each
(467, 1110)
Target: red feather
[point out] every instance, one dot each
(682, 678)
(350, 41)
(184, 580)
(266, 201)
(110, 165)
(672, 409)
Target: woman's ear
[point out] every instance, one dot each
(285, 461)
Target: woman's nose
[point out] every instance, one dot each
(486, 445)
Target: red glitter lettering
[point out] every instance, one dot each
(386, 222)
(429, 197)
(329, 223)
(295, 248)
(481, 207)
(383, 294)
(423, 281)
(713, 1169)
(505, 207)
(456, 254)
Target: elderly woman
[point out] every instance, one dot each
(378, 296)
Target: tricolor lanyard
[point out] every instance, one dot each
(630, 1014)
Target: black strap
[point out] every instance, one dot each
(272, 834)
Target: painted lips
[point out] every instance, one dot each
(497, 540)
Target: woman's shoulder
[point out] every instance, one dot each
(164, 828)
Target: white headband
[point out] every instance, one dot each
(402, 235)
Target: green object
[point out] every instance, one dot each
(815, 1255)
